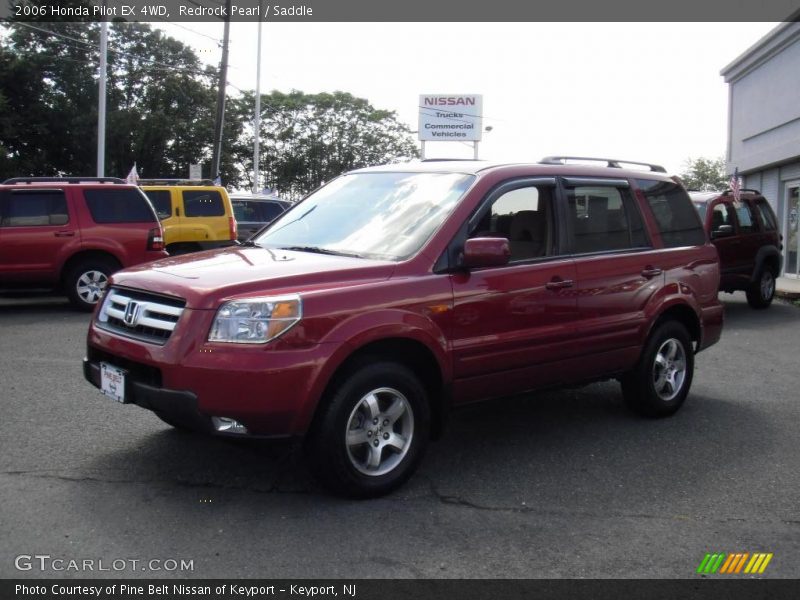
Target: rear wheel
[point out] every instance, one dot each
(762, 291)
(86, 281)
(372, 431)
(659, 384)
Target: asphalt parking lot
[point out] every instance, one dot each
(562, 484)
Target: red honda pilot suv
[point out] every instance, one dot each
(71, 233)
(388, 296)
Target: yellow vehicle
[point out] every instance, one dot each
(196, 214)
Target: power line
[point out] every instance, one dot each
(119, 52)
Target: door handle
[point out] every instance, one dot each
(64, 234)
(559, 284)
(651, 272)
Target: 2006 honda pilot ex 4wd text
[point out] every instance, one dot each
(369, 309)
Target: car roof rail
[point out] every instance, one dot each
(450, 160)
(176, 182)
(610, 162)
(15, 180)
(728, 192)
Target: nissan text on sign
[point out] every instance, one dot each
(450, 117)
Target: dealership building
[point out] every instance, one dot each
(764, 129)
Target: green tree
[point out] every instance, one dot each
(160, 101)
(705, 174)
(307, 139)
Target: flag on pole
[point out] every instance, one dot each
(133, 176)
(218, 180)
(735, 187)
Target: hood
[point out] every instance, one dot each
(206, 279)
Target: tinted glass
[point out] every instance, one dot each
(677, 219)
(118, 206)
(161, 201)
(747, 222)
(721, 215)
(602, 219)
(203, 204)
(524, 217)
(32, 208)
(270, 210)
(376, 215)
(767, 216)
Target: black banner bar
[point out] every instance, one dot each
(417, 589)
(450, 11)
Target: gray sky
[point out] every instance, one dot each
(637, 91)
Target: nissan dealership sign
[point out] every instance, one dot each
(450, 117)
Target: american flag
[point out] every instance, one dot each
(734, 185)
(133, 176)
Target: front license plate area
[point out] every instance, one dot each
(112, 382)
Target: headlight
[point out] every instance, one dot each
(255, 320)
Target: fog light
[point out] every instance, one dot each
(228, 425)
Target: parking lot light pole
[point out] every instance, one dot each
(101, 99)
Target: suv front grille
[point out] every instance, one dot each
(141, 315)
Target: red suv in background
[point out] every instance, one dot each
(364, 312)
(747, 239)
(72, 233)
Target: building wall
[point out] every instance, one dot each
(764, 97)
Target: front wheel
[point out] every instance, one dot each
(762, 291)
(372, 431)
(659, 384)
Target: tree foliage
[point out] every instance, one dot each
(161, 106)
(705, 174)
(307, 139)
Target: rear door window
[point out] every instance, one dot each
(603, 218)
(33, 208)
(118, 206)
(747, 222)
(675, 216)
(197, 203)
(161, 201)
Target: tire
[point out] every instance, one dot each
(371, 432)
(762, 291)
(86, 281)
(659, 384)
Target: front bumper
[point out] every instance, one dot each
(177, 406)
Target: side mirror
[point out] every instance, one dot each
(722, 231)
(486, 252)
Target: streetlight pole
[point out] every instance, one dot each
(101, 99)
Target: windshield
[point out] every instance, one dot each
(374, 215)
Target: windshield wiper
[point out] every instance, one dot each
(318, 250)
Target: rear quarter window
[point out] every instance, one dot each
(676, 217)
(198, 203)
(767, 216)
(118, 206)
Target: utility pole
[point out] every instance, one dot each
(221, 94)
(257, 116)
(101, 99)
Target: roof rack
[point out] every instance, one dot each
(15, 180)
(448, 159)
(176, 182)
(610, 162)
(729, 191)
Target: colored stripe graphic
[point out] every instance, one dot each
(723, 563)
